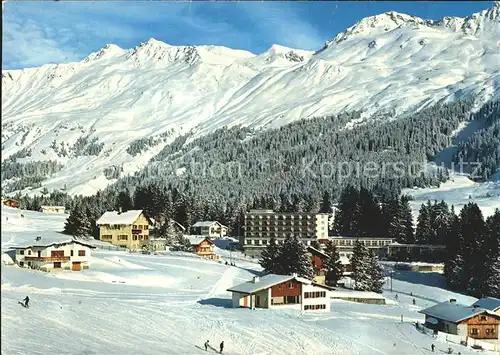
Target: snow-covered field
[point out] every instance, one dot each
(458, 191)
(386, 63)
(172, 303)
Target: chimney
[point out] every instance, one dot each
(453, 300)
(256, 279)
(119, 210)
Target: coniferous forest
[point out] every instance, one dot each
(302, 167)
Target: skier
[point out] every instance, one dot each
(26, 301)
(206, 345)
(432, 347)
(414, 302)
(221, 346)
(396, 297)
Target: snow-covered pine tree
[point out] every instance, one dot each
(407, 220)
(346, 220)
(295, 258)
(270, 257)
(171, 234)
(360, 267)
(473, 232)
(369, 214)
(332, 265)
(376, 273)
(491, 251)
(424, 231)
(78, 223)
(492, 285)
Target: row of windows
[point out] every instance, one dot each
(275, 216)
(57, 253)
(314, 306)
(316, 294)
(139, 226)
(364, 242)
(290, 285)
(475, 331)
(265, 241)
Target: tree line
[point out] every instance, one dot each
(293, 257)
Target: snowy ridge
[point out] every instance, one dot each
(386, 63)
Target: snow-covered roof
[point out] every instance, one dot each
(196, 239)
(49, 240)
(489, 303)
(453, 312)
(114, 217)
(262, 283)
(56, 207)
(317, 251)
(207, 224)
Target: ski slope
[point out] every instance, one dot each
(391, 63)
(172, 303)
(458, 191)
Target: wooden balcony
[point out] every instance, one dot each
(46, 258)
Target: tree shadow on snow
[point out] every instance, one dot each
(253, 272)
(217, 302)
(433, 279)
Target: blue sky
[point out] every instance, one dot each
(36, 33)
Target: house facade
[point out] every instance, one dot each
(210, 229)
(281, 291)
(416, 252)
(50, 254)
(262, 225)
(318, 259)
(202, 246)
(52, 209)
(128, 229)
(10, 202)
(466, 321)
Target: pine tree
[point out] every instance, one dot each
(124, 201)
(296, 259)
(376, 273)
(346, 221)
(492, 284)
(360, 267)
(369, 216)
(326, 206)
(270, 258)
(78, 223)
(423, 232)
(473, 233)
(332, 264)
(491, 251)
(407, 220)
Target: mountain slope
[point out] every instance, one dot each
(87, 115)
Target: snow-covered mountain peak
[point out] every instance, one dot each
(277, 52)
(108, 51)
(378, 24)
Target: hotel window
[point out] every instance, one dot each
(81, 252)
(134, 237)
(474, 331)
(490, 331)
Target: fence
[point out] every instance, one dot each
(463, 340)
